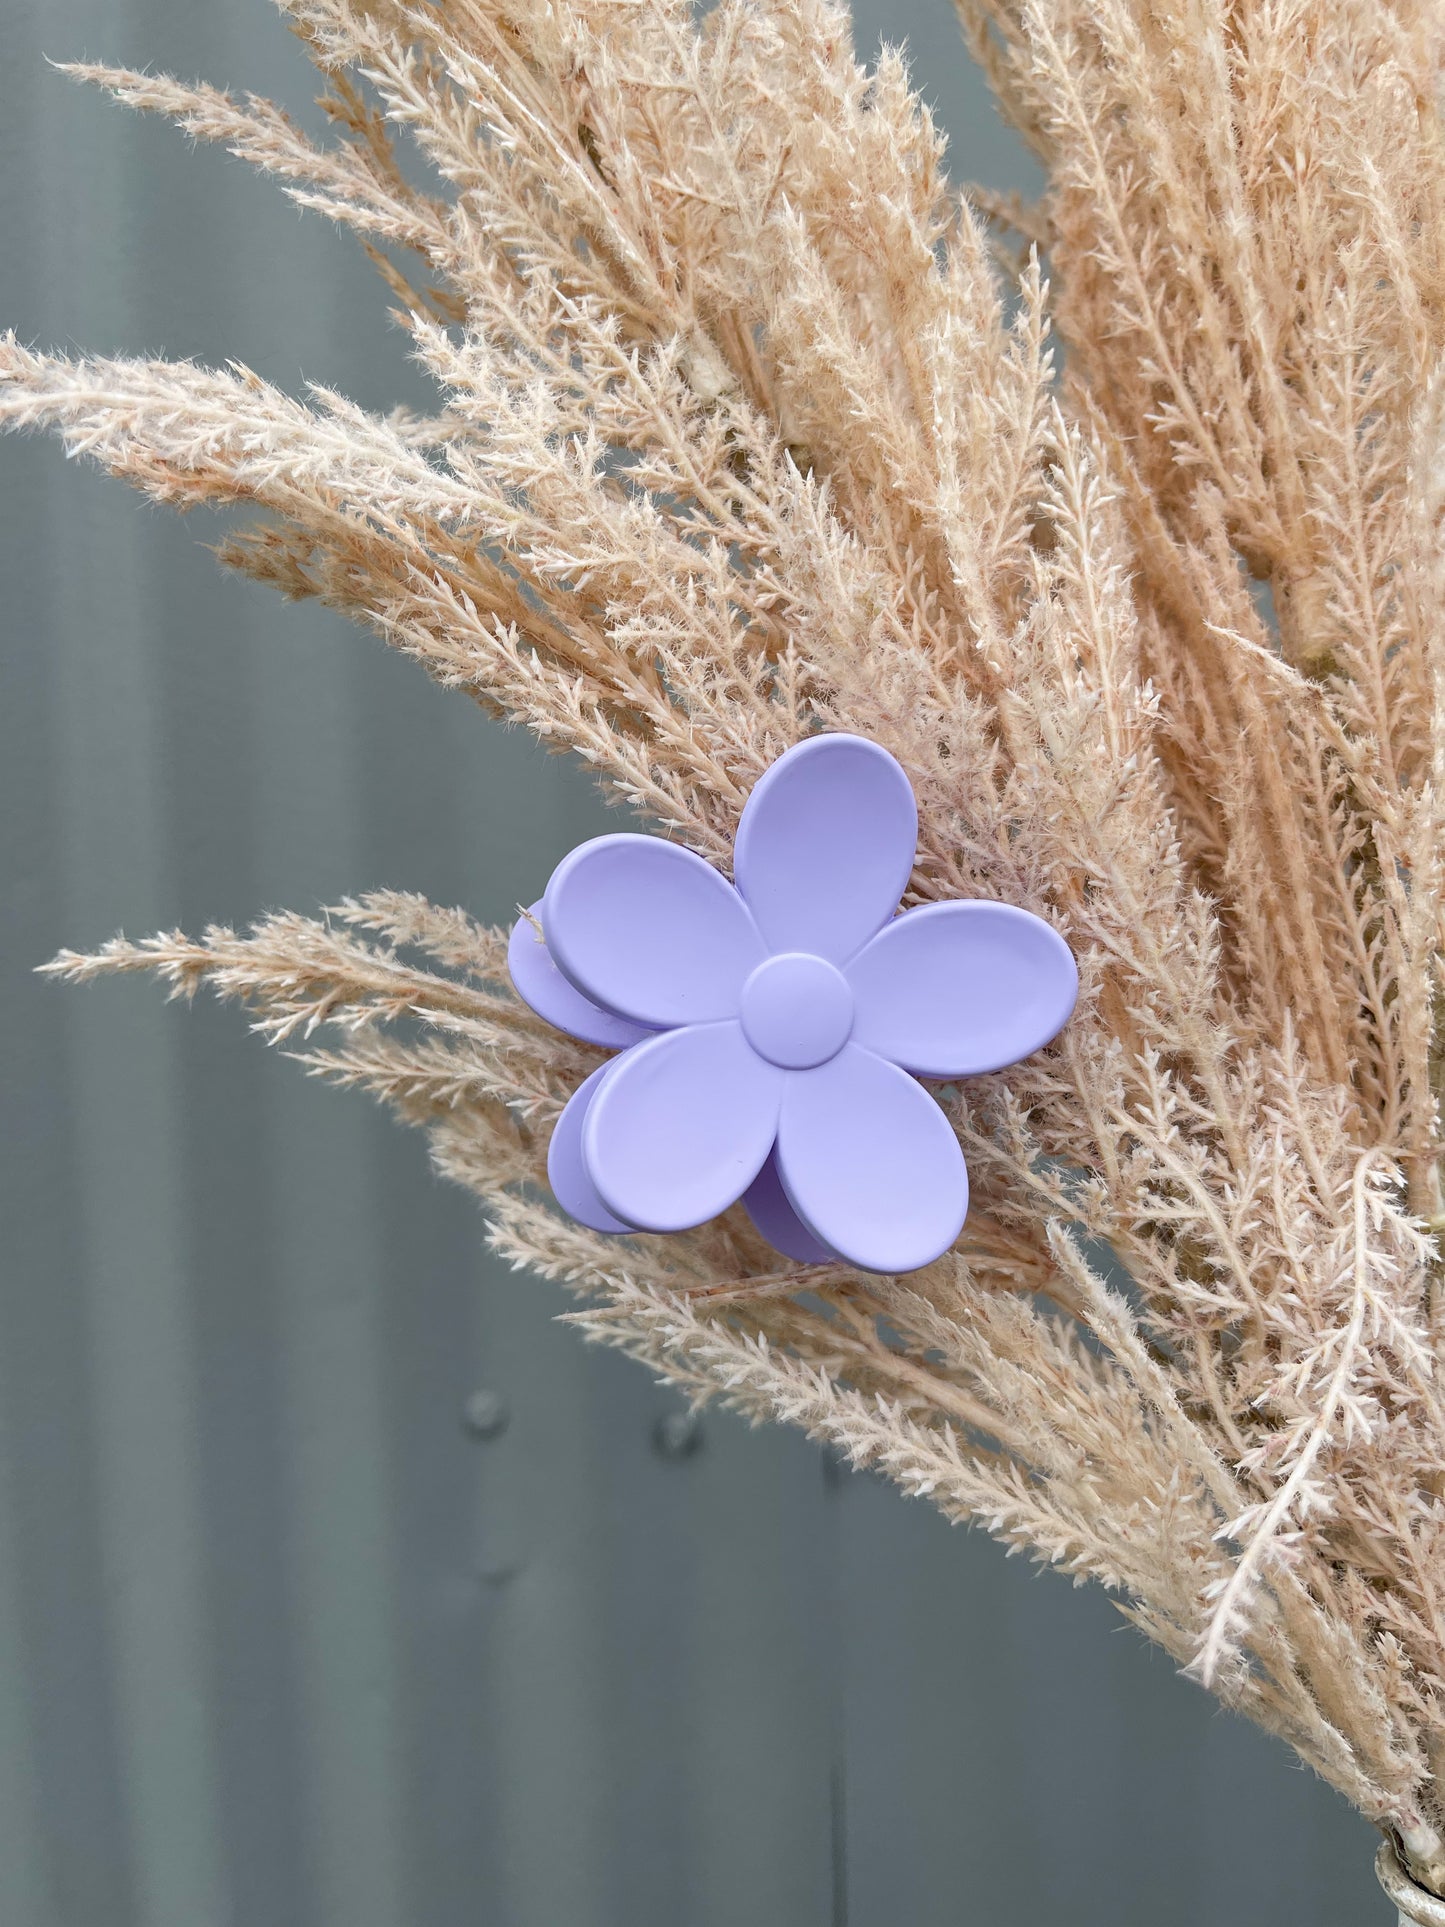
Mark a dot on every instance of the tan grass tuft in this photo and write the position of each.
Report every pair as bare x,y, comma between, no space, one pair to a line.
745,427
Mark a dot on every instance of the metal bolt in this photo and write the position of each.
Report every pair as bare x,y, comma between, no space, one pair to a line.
677,1435
485,1415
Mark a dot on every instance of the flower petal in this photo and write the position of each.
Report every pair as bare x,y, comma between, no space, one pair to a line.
567,1174
956,989
543,988
647,929
681,1126
870,1162
825,846
766,1203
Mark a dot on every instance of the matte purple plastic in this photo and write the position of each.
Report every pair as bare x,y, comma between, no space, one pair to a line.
797,1010
539,982
825,846
647,929
957,989
772,1033
680,1129
567,1174
766,1203
870,1163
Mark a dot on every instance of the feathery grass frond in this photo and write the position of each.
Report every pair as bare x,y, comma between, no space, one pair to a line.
747,427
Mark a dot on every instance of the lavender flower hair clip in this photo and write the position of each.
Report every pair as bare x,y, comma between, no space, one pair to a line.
771,1033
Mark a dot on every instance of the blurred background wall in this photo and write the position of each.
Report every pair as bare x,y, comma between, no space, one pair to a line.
339,1585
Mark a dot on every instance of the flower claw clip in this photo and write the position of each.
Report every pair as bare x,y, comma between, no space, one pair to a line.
771,1032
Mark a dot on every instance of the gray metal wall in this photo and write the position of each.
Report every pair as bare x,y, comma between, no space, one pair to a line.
282,1644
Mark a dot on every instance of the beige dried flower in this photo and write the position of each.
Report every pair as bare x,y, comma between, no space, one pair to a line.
748,426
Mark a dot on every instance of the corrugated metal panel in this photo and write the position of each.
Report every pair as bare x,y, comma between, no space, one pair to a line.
281,1643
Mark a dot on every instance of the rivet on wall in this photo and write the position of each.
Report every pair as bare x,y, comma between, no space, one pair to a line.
485,1415
677,1435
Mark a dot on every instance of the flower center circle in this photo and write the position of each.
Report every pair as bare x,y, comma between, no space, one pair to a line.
797,1010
